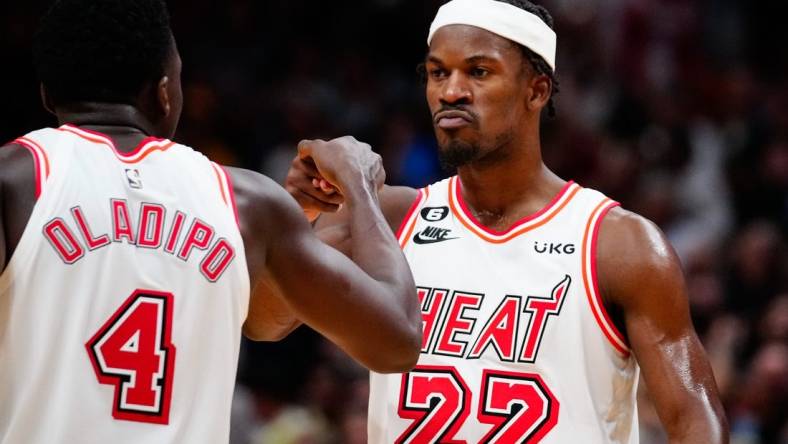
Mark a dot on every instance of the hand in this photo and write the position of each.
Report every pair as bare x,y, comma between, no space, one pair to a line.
342,164
313,193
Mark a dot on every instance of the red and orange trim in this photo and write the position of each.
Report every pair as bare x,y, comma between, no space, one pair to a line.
411,217
143,150
40,160
464,215
226,189
589,270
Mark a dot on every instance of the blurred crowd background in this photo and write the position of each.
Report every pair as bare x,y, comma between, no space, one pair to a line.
676,108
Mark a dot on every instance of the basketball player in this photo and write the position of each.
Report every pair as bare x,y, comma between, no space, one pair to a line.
129,263
541,299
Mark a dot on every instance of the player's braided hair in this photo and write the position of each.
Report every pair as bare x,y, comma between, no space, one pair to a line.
539,64
101,50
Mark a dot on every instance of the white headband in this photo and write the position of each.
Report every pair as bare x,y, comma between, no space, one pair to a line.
503,19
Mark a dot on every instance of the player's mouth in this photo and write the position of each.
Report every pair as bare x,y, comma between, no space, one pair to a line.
453,119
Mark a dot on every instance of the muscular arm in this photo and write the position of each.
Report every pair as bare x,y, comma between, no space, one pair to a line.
273,317
17,197
370,310
640,274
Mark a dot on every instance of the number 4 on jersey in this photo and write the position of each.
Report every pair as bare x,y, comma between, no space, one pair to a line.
132,352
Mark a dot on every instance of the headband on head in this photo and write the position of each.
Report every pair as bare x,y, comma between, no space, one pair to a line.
503,19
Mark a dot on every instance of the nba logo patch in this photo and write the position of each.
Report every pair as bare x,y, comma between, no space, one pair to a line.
134,179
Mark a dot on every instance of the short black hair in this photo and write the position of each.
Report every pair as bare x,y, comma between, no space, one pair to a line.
101,50
539,63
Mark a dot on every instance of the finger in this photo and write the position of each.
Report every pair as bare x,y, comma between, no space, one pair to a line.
303,168
316,193
297,182
326,187
308,203
306,166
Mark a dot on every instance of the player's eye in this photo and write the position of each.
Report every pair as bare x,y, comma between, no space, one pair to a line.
479,73
437,73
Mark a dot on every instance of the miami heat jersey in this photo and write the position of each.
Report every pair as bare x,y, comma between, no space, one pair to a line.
517,347
122,306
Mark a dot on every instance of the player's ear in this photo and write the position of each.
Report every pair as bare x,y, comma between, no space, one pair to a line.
163,96
46,99
541,87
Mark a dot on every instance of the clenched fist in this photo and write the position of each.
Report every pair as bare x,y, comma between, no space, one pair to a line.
324,172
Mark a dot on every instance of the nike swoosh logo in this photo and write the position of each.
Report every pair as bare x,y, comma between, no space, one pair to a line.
428,240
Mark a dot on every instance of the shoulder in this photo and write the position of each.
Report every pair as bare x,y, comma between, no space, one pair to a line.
632,253
258,197
268,217
17,169
17,194
633,238
266,211
13,158
396,203
250,186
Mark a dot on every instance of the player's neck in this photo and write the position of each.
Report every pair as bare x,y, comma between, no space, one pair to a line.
125,124
501,193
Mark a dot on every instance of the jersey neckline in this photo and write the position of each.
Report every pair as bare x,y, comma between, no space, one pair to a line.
138,153
527,223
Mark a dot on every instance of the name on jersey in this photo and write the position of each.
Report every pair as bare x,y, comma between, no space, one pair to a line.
447,314
182,236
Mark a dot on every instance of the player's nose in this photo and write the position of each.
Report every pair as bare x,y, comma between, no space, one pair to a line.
456,89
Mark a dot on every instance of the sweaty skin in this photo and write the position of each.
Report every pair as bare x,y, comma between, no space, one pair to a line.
640,276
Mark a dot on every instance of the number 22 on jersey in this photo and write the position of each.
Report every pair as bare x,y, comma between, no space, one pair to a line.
519,406
133,352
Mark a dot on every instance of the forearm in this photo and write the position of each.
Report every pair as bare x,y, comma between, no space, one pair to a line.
371,320
372,244
681,383
699,419
375,250
359,306
699,426
682,387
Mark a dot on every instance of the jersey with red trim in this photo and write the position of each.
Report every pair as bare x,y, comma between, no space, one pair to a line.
517,347
122,306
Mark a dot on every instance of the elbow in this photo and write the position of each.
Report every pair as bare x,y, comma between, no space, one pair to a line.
402,356
394,364
265,334
410,342
710,428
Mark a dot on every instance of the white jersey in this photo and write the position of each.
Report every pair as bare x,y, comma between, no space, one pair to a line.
122,306
517,346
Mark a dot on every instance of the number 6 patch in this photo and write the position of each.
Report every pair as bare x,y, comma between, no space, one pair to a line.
133,352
